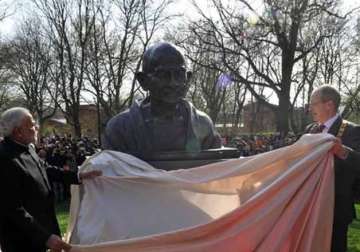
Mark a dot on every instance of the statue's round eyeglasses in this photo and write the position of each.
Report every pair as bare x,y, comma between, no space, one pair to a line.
169,73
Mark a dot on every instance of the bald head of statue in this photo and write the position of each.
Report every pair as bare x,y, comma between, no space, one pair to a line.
164,73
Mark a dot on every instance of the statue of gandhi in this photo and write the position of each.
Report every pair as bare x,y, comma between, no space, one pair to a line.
163,121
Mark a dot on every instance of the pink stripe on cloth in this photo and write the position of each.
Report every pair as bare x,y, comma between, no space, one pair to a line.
276,201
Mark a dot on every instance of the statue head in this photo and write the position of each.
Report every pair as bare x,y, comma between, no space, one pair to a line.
164,73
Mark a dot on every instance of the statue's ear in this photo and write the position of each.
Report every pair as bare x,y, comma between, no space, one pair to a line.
142,79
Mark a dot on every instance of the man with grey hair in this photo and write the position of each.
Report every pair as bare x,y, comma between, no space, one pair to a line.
27,214
324,104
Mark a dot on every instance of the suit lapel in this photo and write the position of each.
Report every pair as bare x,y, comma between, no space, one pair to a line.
335,126
17,149
42,170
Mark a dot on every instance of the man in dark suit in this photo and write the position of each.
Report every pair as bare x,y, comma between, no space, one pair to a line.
27,215
324,104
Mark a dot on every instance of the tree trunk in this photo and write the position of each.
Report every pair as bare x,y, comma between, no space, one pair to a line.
99,121
77,130
293,121
76,123
282,115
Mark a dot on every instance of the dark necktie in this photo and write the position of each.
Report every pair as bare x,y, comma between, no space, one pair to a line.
318,128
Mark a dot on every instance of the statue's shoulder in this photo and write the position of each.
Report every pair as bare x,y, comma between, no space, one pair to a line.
126,118
120,118
198,114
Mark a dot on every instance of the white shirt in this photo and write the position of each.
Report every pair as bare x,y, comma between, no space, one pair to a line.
329,123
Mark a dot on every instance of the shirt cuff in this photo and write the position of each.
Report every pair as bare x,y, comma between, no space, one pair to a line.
78,176
347,151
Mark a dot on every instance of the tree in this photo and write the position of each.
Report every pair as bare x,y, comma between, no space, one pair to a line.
30,63
116,53
154,19
68,27
4,9
351,86
206,91
272,46
211,88
5,76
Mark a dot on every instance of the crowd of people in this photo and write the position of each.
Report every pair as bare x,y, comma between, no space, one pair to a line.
254,144
67,153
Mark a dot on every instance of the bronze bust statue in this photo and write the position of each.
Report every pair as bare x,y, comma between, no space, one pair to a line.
163,121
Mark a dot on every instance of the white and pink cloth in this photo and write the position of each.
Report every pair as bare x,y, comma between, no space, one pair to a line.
279,201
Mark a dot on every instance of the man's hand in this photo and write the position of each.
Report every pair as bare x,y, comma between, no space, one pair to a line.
56,244
89,174
339,149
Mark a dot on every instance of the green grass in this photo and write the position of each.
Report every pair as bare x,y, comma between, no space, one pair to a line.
354,233
62,212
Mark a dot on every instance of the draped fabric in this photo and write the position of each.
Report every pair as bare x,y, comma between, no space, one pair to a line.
277,201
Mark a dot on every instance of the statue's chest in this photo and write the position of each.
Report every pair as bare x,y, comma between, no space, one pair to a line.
168,135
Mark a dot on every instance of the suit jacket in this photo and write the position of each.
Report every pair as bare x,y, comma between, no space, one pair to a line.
346,171
27,214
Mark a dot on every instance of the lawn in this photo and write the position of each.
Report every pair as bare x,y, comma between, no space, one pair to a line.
62,211
354,233
62,214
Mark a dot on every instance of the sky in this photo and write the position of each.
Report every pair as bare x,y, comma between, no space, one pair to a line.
18,8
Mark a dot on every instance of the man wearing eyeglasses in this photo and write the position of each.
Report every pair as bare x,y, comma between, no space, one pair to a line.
324,104
163,121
